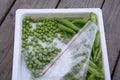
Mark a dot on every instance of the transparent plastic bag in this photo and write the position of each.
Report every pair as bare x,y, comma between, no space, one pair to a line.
72,62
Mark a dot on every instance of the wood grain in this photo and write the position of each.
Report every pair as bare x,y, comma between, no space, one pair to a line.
116,75
80,3
6,65
5,5
7,33
111,15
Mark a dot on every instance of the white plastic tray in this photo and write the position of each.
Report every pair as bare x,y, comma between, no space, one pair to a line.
19,70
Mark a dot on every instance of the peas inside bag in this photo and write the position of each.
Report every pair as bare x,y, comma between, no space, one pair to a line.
72,62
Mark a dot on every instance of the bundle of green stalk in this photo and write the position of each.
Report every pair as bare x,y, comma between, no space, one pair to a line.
37,56
95,68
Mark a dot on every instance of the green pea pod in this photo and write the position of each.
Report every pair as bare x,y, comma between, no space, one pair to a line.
80,21
91,77
100,71
92,64
95,54
73,18
92,18
79,25
68,24
98,55
64,28
97,40
92,70
100,64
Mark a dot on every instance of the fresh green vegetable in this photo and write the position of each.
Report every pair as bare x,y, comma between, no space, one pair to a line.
92,64
73,18
80,21
95,54
45,31
93,71
92,17
40,56
98,55
67,23
97,40
91,77
64,28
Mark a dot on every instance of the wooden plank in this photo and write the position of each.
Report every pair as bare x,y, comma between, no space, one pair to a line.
4,7
7,33
6,65
80,3
111,15
116,75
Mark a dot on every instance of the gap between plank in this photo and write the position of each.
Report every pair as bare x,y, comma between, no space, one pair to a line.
57,4
115,65
102,4
7,12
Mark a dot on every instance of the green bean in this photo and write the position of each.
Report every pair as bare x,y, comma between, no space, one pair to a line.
97,40
80,21
92,17
73,18
68,23
100,71
97,70
79,25
92,64
91,77
92,70
98,55
95,54
100,64
64,28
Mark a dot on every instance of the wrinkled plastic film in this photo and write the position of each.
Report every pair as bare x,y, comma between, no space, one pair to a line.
73,60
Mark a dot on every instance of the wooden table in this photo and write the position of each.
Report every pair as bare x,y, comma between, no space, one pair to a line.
111,15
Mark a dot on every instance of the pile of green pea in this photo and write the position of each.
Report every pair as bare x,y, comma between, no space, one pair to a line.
36,55
39,31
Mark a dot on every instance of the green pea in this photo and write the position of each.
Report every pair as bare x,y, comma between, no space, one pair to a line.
23,51
23,45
